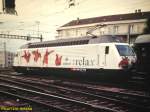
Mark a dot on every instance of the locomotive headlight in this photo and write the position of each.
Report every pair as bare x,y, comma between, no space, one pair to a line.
124,63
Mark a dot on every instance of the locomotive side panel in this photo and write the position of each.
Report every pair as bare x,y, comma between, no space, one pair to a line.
61,57
94,56
111,57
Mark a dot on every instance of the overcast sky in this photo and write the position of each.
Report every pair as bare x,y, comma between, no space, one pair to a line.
50,14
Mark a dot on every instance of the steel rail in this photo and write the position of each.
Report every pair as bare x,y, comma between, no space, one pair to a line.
49,97
81,92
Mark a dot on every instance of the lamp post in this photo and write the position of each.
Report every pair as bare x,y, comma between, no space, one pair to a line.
5,55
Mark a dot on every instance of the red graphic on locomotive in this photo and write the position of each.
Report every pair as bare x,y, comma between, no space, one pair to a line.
37,55
58,60
45,59
26,56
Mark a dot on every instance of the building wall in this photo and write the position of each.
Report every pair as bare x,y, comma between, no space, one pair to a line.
1,6
2,61
8,57
111,28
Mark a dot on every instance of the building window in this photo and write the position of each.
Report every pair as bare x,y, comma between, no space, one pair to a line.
67,33
77,32
102,31
109,30
115,29
132,28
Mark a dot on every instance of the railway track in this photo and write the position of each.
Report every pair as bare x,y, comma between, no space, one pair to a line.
137,81
59,103
100,98
12,103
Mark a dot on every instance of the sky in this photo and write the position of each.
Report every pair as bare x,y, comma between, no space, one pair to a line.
45,16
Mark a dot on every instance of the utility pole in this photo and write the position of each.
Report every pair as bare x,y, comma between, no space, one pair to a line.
128,35
5,55
38,28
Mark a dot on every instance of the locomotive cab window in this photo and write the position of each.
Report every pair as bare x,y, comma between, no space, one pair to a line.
107,50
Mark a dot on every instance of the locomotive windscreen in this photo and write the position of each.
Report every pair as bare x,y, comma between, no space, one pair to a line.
125,50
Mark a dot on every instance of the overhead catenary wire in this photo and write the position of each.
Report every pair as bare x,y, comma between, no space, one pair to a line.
80,10
82,2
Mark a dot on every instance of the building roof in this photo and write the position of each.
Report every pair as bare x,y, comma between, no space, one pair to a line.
75,41
119,17
58,41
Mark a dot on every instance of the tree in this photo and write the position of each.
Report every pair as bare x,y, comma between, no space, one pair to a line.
147,28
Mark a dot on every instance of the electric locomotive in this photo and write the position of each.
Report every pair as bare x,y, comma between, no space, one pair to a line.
101,55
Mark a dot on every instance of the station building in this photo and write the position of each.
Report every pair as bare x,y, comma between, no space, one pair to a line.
6,59
128,26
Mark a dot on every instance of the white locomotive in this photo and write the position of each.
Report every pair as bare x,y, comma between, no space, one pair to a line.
88,54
